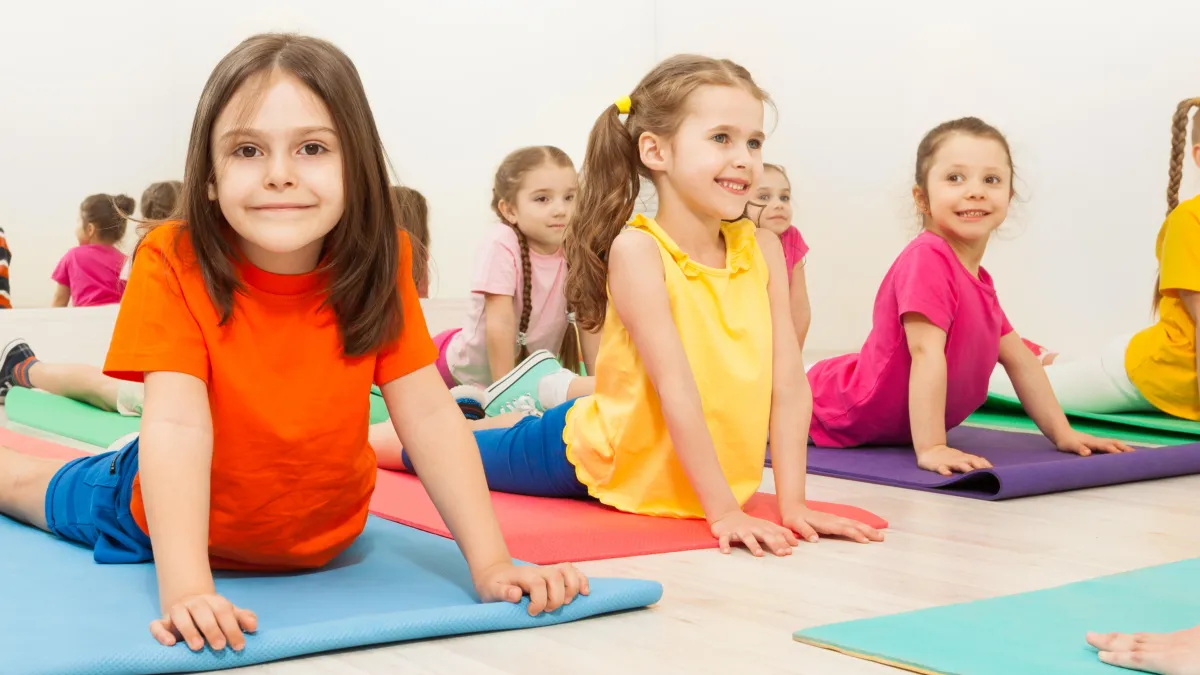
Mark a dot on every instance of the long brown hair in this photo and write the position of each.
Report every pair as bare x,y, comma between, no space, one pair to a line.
160,200
970,126
414,218
108,214
609,177
509,176
1179,125
360,252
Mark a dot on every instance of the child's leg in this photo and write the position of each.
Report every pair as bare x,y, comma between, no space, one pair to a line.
389,450
1096,383
529,458
23,483
21,368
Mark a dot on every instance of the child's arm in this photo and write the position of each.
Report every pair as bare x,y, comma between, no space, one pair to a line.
1191,301
62,296
801,308
444,454
639,297
791,411
927,399
1037,397
175,462
591,347
500,322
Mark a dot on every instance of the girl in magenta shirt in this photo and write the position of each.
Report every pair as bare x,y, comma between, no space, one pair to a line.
90,274
771,208
938,329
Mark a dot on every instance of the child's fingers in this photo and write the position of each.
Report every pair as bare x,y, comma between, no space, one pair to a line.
181,621
228,623
805,529
723,543
1148,661
572,582
536,587
749,541
246,619
206,621
556,588
980,462
161,632
774,540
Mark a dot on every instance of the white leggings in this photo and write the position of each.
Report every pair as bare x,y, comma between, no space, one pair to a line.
1093,383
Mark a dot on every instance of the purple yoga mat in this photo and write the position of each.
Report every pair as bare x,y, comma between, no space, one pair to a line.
1024,465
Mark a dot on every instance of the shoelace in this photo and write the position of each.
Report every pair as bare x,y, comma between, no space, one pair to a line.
523,404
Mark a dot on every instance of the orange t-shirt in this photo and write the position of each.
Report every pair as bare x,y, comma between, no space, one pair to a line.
292,472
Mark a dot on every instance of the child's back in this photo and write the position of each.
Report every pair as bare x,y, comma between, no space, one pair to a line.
92,273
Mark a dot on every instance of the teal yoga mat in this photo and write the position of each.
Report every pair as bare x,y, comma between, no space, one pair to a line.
82,422
1154,421
66,615
1042,632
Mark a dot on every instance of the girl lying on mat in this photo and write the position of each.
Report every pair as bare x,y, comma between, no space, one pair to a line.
258,324
938,329
1155,369
690,375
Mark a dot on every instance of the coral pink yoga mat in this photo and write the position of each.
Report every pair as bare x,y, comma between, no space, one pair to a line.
539,530
545,531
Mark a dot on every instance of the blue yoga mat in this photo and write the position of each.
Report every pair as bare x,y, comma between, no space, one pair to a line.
1030,633
65,614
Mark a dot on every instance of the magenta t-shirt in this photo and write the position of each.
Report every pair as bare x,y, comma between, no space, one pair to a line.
93,273
794,249
862,399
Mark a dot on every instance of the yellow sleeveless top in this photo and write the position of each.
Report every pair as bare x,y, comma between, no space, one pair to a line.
617,438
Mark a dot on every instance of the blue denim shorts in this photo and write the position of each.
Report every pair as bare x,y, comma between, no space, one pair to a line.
88,502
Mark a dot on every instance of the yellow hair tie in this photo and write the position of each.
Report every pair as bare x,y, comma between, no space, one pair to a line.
624,105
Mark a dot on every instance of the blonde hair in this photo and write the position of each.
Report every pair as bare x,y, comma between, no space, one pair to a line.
612,167
1179,125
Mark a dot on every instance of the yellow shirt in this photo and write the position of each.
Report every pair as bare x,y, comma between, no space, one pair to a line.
1161,360
617,438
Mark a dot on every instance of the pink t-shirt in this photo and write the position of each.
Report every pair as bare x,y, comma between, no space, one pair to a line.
498,272
794,249
862,399
92,272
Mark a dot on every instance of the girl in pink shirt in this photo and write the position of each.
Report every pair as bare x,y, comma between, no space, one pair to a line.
90,274
518,312
938,330
771,208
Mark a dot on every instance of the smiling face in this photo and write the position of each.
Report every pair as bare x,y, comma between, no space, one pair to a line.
278,170
771,205
543,205
715,154
967,189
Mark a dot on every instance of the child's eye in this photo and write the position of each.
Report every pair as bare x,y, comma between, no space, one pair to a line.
570,198
955,178
994,180
763,196
312,149
721,138
785,198
541,198
755,144
246,151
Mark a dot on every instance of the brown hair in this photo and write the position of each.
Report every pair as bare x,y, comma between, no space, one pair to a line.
1179,125
160,199
509,175
932,142
108,215
360,253
414,219
609,178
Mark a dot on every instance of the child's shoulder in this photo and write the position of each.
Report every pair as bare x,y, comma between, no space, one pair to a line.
1187,212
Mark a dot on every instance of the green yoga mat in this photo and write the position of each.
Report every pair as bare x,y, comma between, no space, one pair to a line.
1018,421
1042,632
67,417
1155,421
82,422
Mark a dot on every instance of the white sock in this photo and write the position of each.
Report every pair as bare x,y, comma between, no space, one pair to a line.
552,389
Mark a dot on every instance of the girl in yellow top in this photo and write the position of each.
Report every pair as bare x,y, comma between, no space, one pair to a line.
690,373
1154,369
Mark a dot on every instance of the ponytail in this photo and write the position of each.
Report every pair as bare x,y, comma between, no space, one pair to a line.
1179,124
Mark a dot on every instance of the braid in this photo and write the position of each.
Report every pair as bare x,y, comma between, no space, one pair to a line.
1179,125
527,304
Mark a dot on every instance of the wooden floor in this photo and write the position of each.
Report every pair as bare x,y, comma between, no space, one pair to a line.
736,614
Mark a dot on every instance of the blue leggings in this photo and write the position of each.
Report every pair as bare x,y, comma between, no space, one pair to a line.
529,458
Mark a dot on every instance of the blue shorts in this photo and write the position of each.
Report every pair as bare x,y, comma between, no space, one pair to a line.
87,502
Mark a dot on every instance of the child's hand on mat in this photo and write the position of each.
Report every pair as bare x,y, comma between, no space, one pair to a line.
1084,445
548,587
738,526
205,618
809,523
1175,653
946,460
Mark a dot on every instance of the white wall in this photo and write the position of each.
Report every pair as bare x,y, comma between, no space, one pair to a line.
1084,94
100,99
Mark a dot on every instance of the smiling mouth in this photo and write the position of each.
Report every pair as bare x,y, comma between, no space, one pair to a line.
282,207
737,187
972,214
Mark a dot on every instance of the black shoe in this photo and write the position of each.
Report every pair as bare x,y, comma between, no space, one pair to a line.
15,353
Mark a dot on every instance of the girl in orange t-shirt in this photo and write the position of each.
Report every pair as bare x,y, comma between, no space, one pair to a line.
258,323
